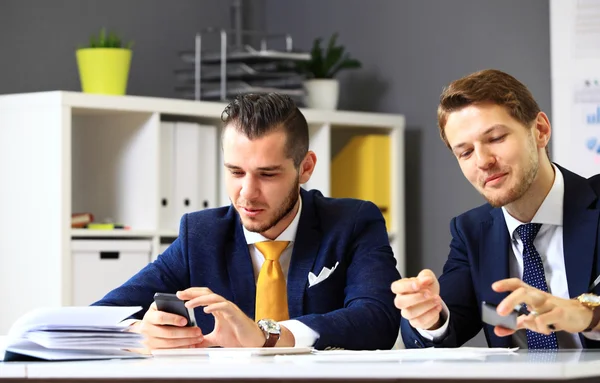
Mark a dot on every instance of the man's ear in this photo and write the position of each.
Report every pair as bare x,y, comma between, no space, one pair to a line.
543,130
307,166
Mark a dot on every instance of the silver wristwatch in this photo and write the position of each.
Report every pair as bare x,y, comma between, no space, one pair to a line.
272,331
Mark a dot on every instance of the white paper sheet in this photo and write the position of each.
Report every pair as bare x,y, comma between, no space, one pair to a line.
87,332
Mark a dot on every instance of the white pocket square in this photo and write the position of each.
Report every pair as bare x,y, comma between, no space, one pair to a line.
323,275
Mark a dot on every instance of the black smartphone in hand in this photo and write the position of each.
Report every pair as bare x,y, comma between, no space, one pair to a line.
490,316
171,304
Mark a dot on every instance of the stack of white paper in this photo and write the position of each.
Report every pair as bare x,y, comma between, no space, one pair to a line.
73,333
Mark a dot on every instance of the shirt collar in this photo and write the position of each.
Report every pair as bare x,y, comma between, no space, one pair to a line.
289,234
551,210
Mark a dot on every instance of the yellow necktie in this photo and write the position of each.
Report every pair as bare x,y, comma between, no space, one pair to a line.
271,295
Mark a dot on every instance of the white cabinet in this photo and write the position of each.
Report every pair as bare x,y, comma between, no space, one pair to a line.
101,265
118,158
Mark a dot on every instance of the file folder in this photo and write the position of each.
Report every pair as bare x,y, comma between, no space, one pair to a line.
362,170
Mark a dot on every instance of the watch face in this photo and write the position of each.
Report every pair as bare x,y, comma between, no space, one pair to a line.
590,299
270,326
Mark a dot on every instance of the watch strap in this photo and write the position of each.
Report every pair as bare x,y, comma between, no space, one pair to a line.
271,340
595,319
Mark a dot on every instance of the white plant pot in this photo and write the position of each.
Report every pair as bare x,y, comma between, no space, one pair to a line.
322,93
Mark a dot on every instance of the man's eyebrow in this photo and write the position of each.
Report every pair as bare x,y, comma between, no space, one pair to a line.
272,168
488,131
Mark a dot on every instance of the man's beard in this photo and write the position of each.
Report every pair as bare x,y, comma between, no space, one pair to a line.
286,207
520,188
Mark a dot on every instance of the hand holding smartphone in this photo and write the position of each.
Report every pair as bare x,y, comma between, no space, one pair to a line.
490,316
171,304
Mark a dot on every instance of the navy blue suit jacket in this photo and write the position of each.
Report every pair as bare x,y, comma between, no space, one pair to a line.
479,256
353,308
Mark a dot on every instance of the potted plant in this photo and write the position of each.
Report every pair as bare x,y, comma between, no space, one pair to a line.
321,87
104,64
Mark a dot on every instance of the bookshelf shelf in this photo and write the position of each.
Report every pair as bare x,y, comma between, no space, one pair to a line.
66,152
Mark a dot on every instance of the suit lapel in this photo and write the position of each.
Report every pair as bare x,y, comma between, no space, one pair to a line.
494,253
580,228
306,247
241,273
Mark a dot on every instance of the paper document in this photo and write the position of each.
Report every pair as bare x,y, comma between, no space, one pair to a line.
420,354
73,333
233,352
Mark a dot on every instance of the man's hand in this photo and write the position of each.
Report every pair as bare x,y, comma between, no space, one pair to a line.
419,300
166,330
232,327
546,309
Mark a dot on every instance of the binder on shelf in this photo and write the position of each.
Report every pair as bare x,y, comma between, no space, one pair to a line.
167,218
195,167
188,170
362,170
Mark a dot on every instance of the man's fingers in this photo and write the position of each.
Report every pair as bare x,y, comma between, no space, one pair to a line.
513,299
420,309
427,319
171,332
193,292
552,317
405,285
406,301
164,318
510,284
204,300
503,331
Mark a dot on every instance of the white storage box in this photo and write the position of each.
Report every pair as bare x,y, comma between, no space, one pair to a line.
101,265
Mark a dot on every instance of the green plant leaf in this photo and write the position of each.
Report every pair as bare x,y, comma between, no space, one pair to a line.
346,63
102,38
326,64
316,63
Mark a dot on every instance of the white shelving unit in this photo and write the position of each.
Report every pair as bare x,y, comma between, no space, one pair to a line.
65,152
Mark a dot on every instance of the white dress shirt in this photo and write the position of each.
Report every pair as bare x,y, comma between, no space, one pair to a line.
304,335
549,244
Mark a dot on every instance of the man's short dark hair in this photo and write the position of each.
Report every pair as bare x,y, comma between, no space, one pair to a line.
256,115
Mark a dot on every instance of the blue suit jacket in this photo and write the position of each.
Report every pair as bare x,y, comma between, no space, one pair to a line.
479,256
353,308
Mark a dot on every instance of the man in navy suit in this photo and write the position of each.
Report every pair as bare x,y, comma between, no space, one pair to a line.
540,224
216,264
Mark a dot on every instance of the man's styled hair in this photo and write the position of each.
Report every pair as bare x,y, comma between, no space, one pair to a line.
487,86
256,115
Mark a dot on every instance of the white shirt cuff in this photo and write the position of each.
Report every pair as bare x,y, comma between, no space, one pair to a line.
304,335
440,332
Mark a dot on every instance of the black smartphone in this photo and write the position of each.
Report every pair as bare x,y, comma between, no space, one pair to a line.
171,304
490,316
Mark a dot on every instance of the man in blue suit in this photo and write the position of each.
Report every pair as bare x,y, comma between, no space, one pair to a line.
331,274
540,224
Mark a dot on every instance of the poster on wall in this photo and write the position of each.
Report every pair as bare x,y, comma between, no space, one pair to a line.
585,128
575,63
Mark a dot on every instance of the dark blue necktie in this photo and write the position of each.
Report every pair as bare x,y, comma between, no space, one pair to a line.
533,275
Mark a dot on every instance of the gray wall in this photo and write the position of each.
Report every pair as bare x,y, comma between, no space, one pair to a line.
410,49
39,38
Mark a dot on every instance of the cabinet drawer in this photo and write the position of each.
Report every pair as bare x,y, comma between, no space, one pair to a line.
101,265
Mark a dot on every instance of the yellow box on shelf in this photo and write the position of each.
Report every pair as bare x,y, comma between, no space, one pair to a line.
362,170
